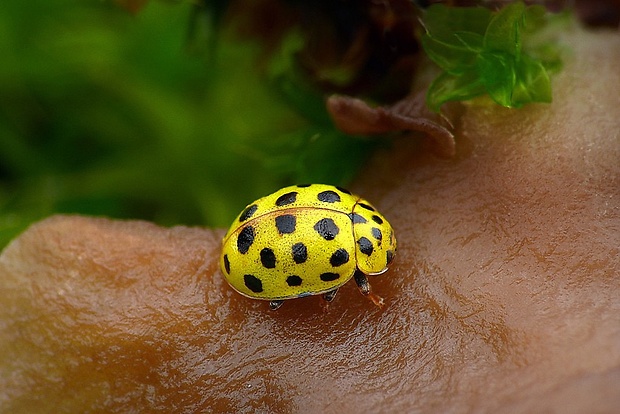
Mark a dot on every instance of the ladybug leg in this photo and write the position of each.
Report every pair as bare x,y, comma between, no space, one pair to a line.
329,296
275,304
364,287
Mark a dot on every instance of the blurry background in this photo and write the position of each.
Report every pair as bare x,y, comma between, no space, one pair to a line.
164,114
182,112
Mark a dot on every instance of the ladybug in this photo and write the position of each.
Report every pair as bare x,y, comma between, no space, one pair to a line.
306,240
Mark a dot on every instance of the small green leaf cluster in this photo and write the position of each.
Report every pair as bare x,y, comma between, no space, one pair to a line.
482,52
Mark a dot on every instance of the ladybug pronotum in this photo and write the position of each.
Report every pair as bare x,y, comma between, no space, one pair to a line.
306,240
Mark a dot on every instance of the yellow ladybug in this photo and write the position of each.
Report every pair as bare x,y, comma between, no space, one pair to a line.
306,240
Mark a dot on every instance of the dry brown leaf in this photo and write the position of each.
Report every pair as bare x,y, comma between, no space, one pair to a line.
354,116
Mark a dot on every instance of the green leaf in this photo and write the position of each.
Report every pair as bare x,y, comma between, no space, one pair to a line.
506,54
447,87
454,36
497,71
451,58
442,22
535,18
533,83
471,41
504,31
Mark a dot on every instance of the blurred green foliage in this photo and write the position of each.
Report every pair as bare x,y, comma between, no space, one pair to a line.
110,114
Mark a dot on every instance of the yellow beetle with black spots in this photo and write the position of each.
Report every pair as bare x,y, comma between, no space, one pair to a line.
306,240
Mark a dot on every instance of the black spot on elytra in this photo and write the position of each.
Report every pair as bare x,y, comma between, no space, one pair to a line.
327,228
287,198
365,246
248,212
268,258
329,276
328,196
343,190
357,218
253,283
366,206
303,185
339,257
226,264
245,239
300,253
286,223
293,280
377,219
376,233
